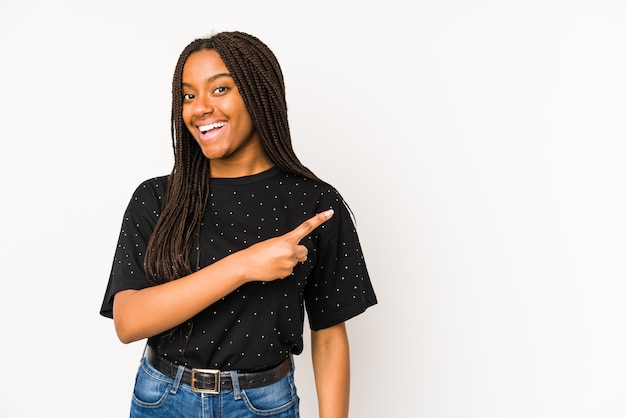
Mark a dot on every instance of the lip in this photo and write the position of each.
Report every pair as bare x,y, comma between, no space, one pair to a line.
212,133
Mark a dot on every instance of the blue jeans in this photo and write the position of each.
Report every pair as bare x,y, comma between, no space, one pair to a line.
158,395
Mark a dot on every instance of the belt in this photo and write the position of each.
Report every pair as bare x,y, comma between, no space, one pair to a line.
213,381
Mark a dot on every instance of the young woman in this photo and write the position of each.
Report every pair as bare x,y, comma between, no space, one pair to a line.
217,262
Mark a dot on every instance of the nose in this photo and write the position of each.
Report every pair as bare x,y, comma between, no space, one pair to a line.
202,105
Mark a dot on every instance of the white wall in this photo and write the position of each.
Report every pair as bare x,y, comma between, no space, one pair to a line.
481,145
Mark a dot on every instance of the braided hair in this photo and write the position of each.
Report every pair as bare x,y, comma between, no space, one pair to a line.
259,79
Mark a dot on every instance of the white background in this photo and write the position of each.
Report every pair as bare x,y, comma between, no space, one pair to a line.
481,145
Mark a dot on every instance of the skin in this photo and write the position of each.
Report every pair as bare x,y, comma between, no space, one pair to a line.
210,96
331,366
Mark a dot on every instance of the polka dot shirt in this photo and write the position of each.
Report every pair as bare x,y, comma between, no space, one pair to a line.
261,323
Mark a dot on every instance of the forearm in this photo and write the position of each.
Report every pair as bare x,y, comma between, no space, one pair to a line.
331,365
143,313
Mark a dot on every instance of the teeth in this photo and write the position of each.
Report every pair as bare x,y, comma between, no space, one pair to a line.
206,128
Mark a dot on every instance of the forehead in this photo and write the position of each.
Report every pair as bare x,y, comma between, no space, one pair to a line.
203,64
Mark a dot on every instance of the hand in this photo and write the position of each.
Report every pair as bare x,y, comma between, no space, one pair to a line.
276,258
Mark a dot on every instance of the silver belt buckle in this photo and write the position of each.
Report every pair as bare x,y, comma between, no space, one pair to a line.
215,390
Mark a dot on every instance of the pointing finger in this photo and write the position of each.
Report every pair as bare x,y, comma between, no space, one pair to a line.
306,227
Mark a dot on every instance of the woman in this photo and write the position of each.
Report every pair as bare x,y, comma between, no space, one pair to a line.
217,262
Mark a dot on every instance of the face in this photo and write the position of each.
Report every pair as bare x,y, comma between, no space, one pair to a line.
218,119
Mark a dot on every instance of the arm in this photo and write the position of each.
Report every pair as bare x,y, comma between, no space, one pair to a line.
331,365
139,314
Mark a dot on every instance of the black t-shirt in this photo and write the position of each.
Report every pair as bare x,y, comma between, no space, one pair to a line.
261,323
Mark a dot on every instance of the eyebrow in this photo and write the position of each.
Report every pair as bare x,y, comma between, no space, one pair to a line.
212,78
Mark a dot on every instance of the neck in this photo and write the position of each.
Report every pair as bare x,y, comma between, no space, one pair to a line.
232,169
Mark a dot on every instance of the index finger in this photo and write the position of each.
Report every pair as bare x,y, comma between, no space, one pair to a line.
306,227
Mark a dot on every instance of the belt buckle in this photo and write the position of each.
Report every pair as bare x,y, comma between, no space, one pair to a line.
215,390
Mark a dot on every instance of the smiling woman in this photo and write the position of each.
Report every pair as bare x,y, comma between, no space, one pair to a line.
217,262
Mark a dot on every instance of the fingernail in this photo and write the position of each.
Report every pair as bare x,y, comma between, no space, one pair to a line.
328,213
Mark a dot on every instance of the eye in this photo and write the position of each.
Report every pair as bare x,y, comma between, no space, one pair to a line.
188,97
220,90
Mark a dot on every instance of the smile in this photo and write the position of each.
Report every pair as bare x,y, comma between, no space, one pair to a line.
210,127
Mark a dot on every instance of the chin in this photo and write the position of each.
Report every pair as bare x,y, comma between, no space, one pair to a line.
210,151
213,154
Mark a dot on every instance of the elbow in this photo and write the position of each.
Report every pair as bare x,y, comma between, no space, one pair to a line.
125,339
123,333
123,318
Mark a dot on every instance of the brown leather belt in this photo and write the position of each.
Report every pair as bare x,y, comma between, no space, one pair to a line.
213,381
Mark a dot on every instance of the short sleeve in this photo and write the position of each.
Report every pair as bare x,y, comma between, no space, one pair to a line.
339,286
140,217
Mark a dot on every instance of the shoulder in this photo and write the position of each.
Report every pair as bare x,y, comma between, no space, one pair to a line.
317,186
323,196
152,186
149,193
